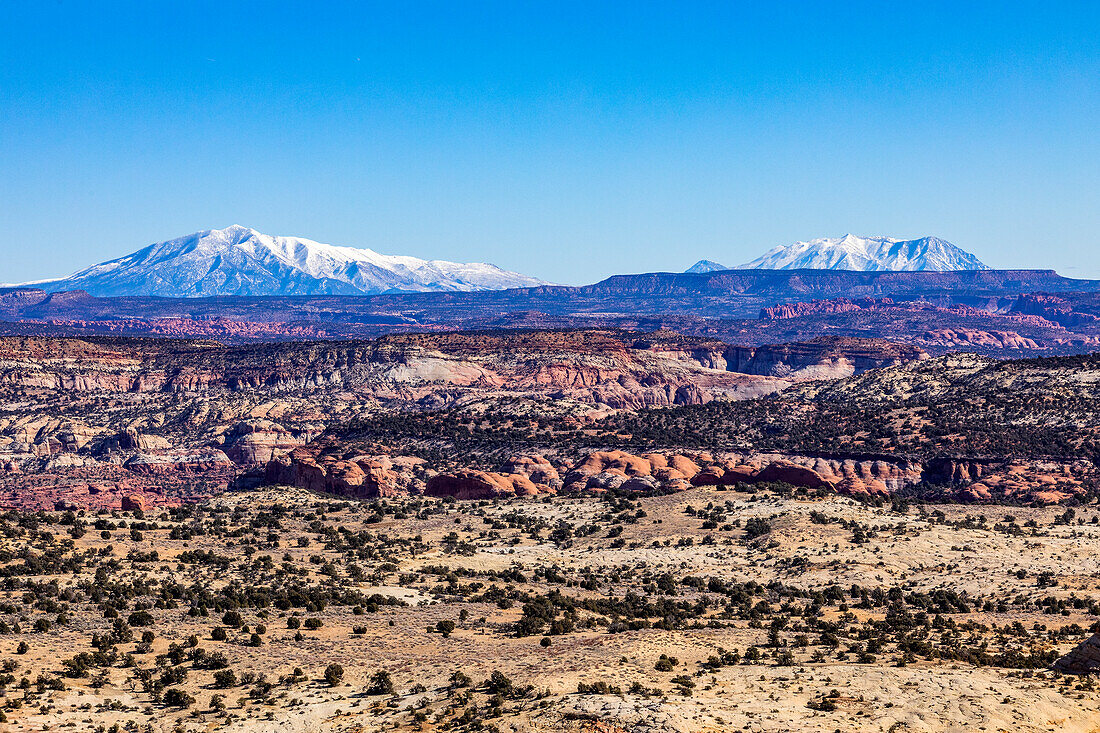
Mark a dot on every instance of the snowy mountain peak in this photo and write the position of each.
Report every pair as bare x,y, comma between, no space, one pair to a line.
704,266
238,260
852,252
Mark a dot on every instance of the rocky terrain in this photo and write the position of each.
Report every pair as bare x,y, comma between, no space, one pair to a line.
1008,327
89,422
92,421
825,357
956,405
598,530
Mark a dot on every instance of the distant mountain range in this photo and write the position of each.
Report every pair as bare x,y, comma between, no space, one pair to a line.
996,311
238,261
704,266
866,254
243,262
725,294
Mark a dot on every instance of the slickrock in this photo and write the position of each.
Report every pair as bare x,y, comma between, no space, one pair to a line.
640,483
43,434
535,467
726,473
845,475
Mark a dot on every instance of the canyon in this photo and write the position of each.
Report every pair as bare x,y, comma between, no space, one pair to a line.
93,421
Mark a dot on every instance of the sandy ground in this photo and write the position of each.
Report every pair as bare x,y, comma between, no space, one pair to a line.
810,545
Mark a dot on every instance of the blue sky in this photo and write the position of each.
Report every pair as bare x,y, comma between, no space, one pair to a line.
567,140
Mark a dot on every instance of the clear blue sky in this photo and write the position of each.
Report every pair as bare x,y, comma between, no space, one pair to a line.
566,140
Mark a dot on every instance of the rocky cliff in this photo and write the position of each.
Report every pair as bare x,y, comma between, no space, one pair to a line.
593,366
826,357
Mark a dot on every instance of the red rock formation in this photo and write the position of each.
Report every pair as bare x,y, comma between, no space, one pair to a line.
534,467
480,485
948,337
364,477
105,487
135,502
818,307
724,475
1053,308
312,468
1028,309
795,475
602,468
215,328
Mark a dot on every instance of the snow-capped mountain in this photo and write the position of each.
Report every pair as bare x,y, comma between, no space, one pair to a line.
241,261
704,266
867,253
